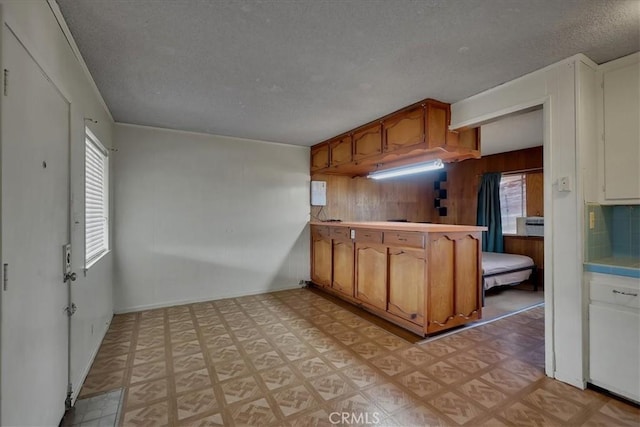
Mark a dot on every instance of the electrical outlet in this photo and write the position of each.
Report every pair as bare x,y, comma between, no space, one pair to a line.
592,220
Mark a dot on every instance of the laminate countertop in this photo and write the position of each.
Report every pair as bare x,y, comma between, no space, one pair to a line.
402,226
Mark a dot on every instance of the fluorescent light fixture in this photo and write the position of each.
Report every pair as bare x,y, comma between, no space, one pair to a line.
407,170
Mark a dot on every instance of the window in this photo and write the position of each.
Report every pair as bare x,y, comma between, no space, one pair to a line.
513,201
96,190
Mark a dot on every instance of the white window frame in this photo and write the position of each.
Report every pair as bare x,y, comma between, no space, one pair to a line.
504,212
93,175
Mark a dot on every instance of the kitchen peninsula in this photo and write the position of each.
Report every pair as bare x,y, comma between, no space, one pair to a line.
424,277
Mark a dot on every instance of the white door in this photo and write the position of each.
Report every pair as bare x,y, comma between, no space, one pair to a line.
35,225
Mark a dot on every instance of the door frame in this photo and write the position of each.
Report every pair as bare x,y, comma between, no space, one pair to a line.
6,20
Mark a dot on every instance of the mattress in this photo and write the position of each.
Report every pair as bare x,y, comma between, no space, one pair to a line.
497,263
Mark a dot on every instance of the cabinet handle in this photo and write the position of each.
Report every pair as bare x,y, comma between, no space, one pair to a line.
401,239
615,291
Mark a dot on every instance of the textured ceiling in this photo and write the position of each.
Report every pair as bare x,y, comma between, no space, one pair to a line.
302,71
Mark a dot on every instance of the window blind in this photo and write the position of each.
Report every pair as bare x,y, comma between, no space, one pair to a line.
96,200
513,198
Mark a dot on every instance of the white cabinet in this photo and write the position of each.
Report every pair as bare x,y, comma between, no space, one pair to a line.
614,334
620,133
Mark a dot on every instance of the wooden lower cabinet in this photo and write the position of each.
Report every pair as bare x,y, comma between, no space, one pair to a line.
321,256
454,295
343,265
407,269
371,274
425,282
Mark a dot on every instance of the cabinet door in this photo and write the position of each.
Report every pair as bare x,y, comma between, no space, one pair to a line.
622,133
320,157
341,151
535,194
404,129
371,276
367,141
436,125
454,285
343,262
614,349
406,284
320,259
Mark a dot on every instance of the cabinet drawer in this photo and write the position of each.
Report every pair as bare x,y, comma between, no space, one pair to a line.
617,291
342,233
368,236
414,240
320,231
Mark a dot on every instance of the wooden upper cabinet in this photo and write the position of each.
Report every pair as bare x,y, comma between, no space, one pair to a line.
404,129
535,194
319,157
367,141
467,139
437,122
341,150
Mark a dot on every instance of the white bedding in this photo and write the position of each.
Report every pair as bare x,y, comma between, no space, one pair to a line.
495,263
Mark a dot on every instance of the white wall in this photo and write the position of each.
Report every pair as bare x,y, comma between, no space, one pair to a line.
36,26
203,217
562,89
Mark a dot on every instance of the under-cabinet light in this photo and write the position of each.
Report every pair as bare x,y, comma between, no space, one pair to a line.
407,170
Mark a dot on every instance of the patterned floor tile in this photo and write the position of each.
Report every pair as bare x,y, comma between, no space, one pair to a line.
505,380
467,363
367,349
456,407
186,348
482,393
255,346
339,358
420,384
148,371
240,389
389,397
415,355
110,364
196,402
420,415
294,399
254,413
312,357
445,372
312,367
148,355
101,382
189,362
279,377
231,369
390,365
331,386
192,380
146,392
551,404
519,414
362,375
267,360
154,415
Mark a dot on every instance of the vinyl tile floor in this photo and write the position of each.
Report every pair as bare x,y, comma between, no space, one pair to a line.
294,358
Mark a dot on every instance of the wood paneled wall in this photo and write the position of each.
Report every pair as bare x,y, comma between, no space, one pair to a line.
362,199
463,180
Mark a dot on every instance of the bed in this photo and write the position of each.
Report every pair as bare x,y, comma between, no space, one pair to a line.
499,269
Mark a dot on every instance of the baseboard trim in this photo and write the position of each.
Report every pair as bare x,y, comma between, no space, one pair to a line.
203,299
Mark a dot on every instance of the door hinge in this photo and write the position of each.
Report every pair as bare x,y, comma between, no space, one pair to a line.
68,401
5,82
71,310
5,279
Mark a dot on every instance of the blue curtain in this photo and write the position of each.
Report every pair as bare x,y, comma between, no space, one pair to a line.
489,212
